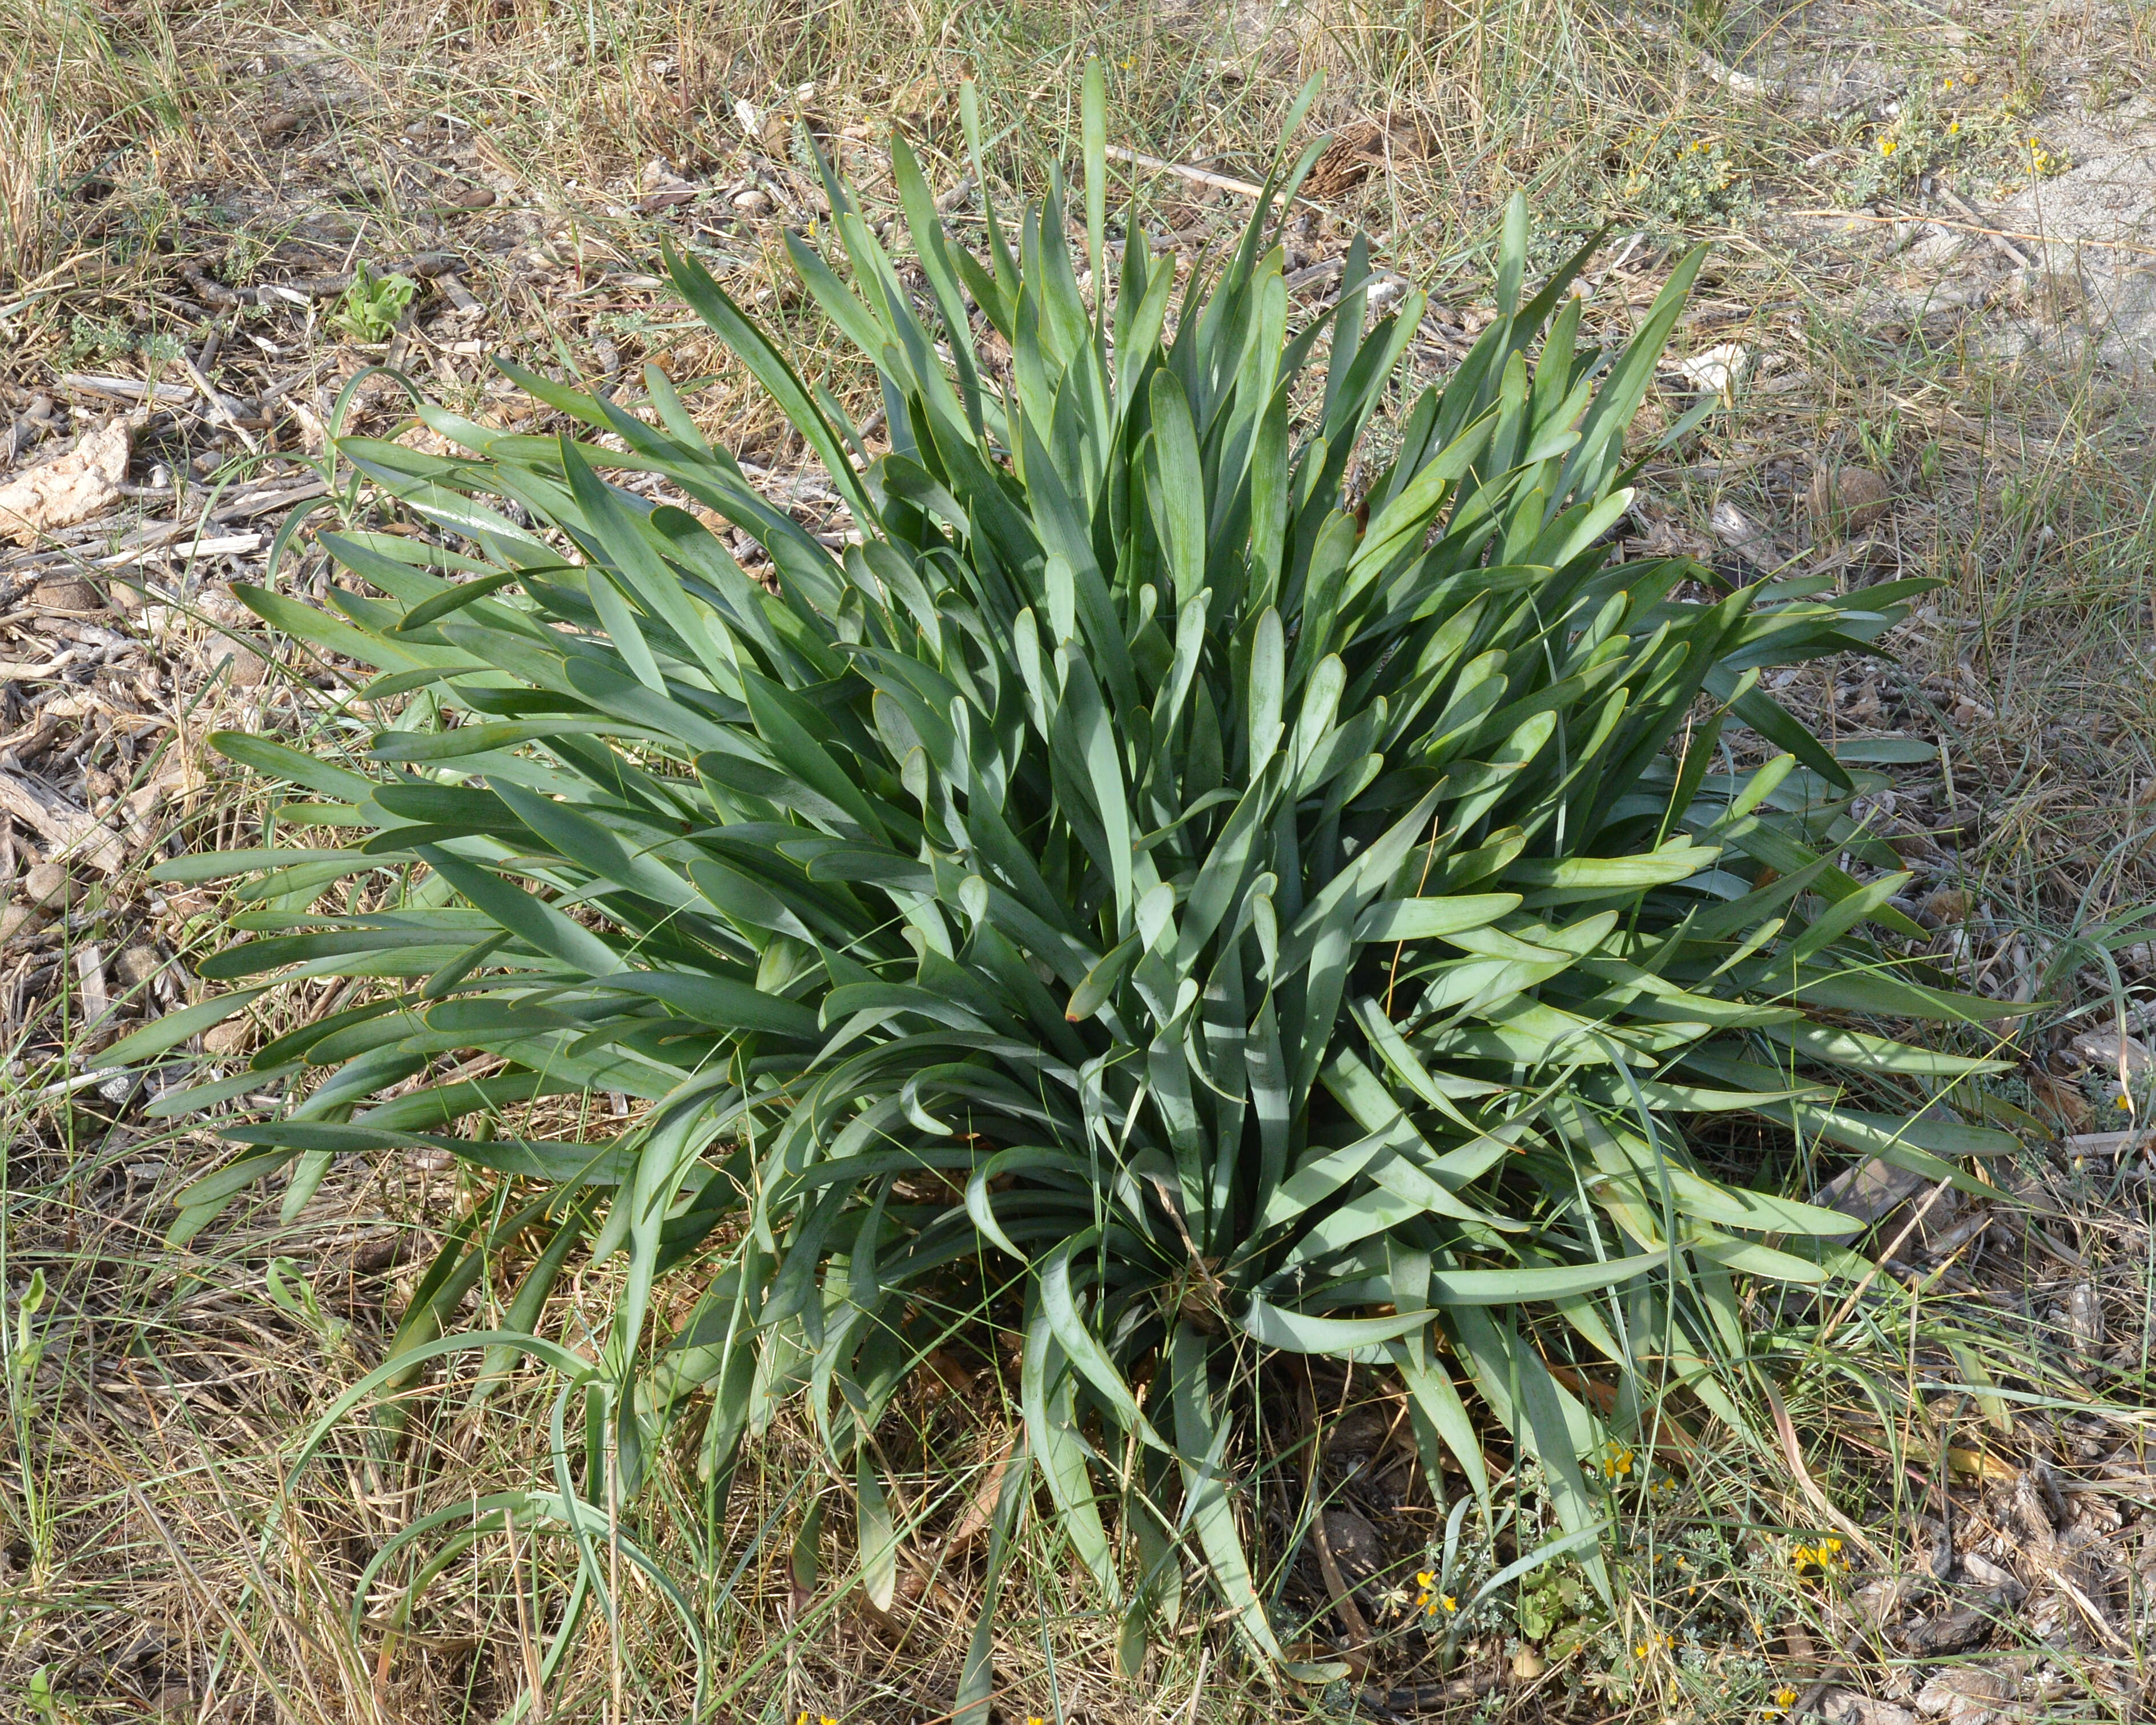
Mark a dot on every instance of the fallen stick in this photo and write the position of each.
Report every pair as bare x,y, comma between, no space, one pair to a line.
124,388
217,408
1981,232
230,544
2012,255
1183,170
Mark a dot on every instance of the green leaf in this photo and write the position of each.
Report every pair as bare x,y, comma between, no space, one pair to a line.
161,1035
1200,1442
879,1537
1419,919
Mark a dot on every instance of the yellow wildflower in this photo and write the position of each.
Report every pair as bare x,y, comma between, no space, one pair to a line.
1953,128
1825,1559
1784,1698
1887,145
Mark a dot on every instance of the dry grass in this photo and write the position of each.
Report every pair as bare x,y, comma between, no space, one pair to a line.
156,1560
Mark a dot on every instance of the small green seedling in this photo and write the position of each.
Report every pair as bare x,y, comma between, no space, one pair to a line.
292,1294
371,306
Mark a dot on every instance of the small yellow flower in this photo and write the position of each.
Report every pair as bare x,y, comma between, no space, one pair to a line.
1784,1698
1953,128
1886,146
1950,83
1825,1558
1446,1602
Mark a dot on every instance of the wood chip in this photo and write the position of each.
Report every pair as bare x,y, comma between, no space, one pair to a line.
125,388
89,978
72,831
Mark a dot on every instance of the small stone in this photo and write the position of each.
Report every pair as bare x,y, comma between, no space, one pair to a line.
1849,499
1966,1695
14,920
472,198
1949,903
1848,1707
1717,370
1527,1665
1356,1546
70,592
752,203
135,966
1955,1628
248,668
222,1041
47,885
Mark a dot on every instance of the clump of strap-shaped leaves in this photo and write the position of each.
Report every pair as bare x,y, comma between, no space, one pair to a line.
1155,890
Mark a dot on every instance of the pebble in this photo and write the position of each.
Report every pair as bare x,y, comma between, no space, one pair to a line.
135,966
1850,1707
1849,499
248,669
47,885
68,594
